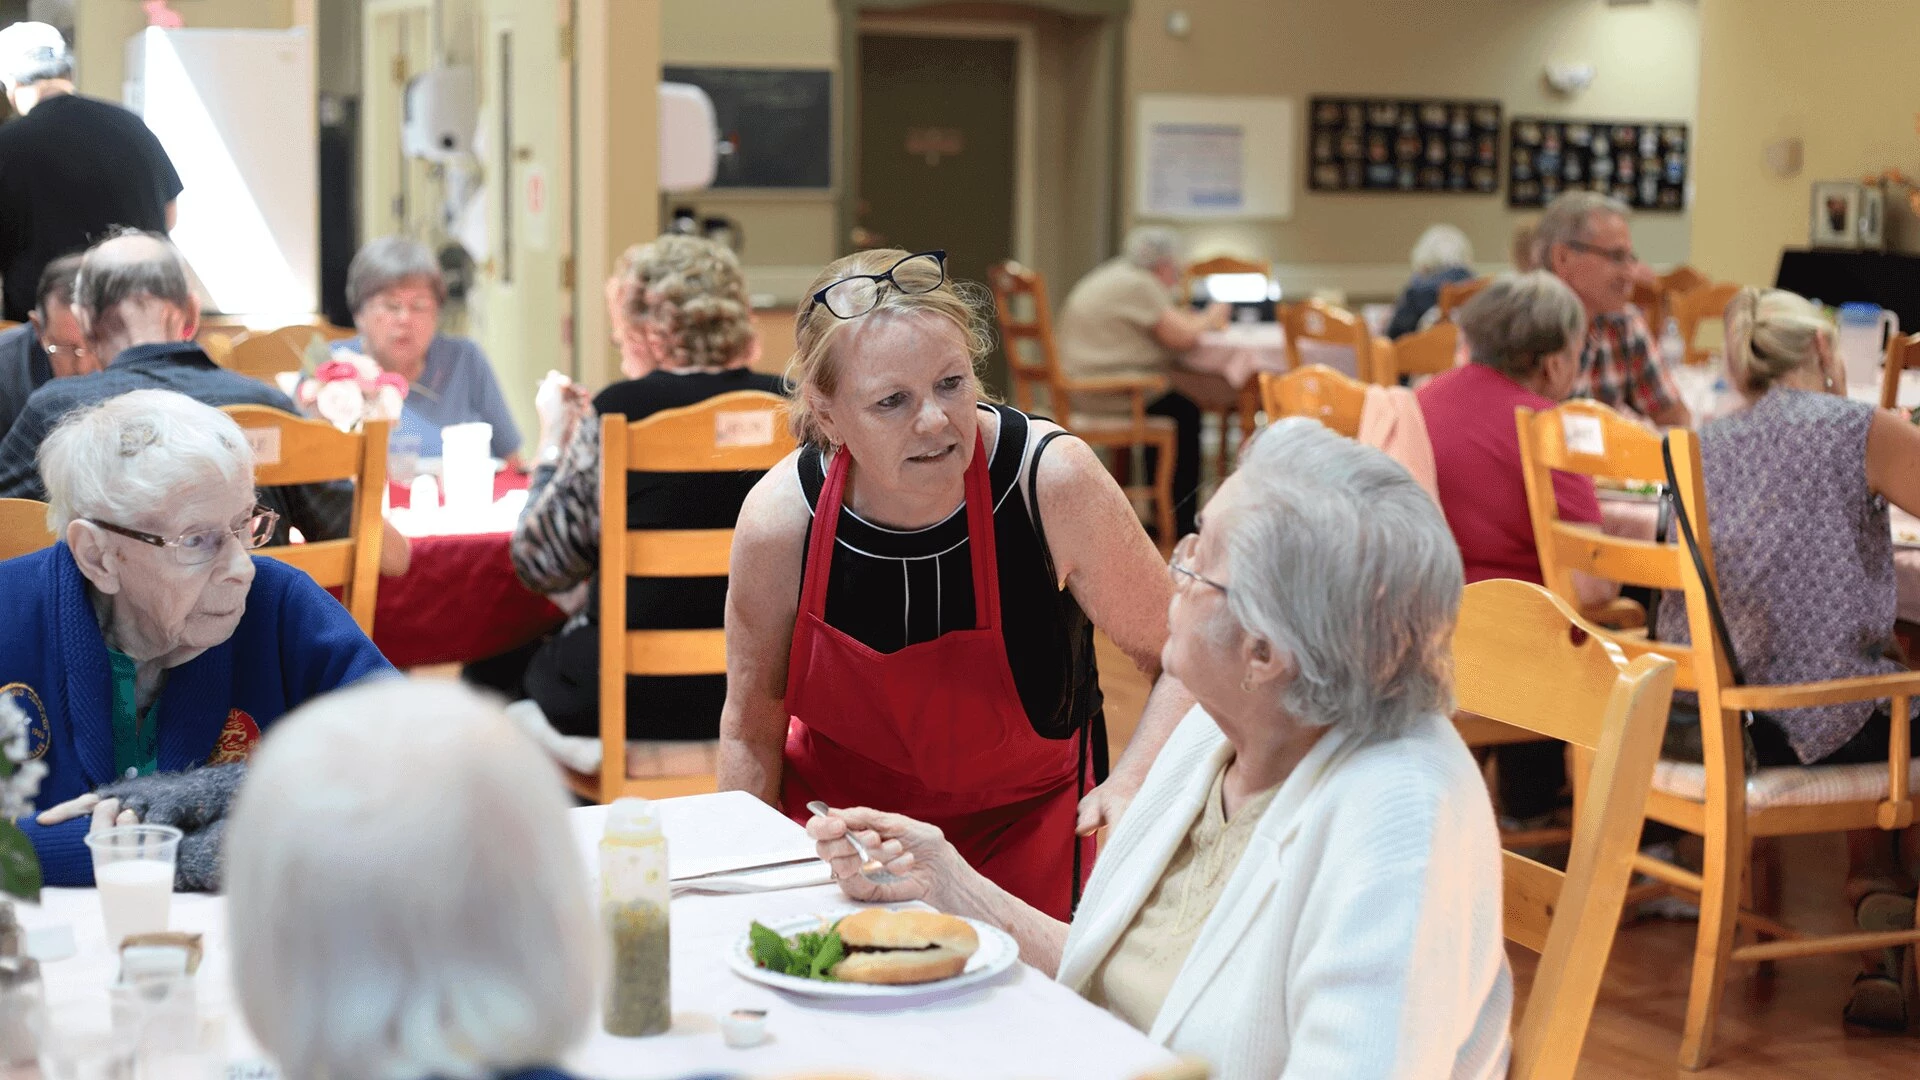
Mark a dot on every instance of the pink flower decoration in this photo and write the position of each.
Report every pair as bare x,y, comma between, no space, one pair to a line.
389,379
334,370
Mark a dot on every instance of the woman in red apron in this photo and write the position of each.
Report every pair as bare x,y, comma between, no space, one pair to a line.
923,658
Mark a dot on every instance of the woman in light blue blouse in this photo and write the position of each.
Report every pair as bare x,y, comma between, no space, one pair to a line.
395,289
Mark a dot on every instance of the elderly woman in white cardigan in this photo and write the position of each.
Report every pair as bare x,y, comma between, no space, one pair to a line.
1308,882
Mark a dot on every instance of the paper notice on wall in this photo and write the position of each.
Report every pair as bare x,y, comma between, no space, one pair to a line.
1195,169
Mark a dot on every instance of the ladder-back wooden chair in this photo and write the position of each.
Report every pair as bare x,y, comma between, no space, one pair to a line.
23,528
1682,279
261,356
1026,326
1690,309
1717,800
742,431
1317,320
290,450
1576,689
1241,417
1454,295
1317,391
1425,352
1903,352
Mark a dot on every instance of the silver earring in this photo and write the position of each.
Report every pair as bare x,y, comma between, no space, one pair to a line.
1246,685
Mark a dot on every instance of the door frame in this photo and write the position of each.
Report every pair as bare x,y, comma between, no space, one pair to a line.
1026,118
378,92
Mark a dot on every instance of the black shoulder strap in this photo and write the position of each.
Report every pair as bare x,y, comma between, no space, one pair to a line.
1684,517
1033,499
811,465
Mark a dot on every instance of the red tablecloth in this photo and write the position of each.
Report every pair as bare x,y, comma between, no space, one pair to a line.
459,600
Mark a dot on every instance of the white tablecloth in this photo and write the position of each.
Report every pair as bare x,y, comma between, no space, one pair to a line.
1022,1025
1239,352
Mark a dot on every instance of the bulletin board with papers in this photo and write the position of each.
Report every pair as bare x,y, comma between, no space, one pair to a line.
1199,156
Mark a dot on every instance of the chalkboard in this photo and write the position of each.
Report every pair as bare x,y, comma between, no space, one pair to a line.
779,124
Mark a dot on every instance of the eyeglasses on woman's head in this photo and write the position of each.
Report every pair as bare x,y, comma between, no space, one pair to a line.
857,294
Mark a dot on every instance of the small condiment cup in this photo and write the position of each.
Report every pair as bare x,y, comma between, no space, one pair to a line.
743,1028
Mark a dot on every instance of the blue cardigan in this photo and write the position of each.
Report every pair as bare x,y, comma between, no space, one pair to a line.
294,642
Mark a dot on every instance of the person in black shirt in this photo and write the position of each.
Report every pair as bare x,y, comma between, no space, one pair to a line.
48,346
687,334
70,168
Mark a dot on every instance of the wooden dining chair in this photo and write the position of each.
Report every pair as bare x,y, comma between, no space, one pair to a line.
1424,352
1681,279
1690,309
290,450
1026,327
261,356
1317,391
1454,295
1317,320
742,431
1240,417
23,528
1903,352
1574,688
1718,800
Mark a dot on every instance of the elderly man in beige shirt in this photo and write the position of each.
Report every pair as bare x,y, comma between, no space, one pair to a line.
1123,319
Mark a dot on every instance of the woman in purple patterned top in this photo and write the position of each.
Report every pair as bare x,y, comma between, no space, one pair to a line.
1798,483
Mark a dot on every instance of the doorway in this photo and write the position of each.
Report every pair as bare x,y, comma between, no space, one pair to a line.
945,158
398,195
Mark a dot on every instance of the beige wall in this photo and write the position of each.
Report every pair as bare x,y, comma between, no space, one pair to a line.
1646,57
1838,74
102,27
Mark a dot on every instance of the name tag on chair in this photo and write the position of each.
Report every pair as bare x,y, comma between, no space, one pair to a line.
733,429
1584,435
265,442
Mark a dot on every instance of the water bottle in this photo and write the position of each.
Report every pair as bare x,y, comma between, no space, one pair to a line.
634,896
1673,348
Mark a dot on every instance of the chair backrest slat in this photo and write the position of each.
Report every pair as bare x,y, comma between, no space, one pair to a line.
1577,687
1454,295
1317,391
1425,352
1690,309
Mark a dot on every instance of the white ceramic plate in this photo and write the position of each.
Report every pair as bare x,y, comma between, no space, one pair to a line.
998,952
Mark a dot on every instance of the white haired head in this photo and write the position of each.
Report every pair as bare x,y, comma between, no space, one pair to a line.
1153,247
122,458
406,900
31,52
1341,560
1440,247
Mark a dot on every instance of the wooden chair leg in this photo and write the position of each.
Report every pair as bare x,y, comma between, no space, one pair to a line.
1722,871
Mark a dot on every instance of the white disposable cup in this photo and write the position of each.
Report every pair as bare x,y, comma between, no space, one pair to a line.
133,873
466,466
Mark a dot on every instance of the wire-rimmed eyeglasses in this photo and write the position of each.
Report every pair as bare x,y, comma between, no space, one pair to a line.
852,297
1181,564
199,548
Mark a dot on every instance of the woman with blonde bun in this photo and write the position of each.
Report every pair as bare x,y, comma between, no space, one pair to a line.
1798,481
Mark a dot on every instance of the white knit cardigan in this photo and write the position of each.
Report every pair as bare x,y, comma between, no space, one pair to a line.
1360,934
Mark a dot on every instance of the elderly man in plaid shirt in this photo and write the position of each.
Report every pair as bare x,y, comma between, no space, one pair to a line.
1584,240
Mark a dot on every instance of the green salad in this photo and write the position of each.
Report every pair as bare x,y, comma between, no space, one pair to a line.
807,955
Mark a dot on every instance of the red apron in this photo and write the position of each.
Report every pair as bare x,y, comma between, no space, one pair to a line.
935,731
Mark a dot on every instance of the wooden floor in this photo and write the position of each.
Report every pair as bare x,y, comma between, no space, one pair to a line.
1783,1027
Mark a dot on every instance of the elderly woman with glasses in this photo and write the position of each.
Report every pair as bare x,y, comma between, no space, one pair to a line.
396,290
148,644
914,592
1308,884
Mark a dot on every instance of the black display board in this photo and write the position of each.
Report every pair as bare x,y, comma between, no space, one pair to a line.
1420,145
778,123
1643,163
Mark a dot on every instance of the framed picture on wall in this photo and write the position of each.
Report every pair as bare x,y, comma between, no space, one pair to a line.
1834,215
1403,145
1643,163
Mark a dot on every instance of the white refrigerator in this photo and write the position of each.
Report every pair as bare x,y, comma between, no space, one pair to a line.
235,111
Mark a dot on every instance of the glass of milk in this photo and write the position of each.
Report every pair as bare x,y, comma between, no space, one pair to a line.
133,871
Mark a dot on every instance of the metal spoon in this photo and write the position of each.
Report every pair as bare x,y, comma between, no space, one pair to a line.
879,876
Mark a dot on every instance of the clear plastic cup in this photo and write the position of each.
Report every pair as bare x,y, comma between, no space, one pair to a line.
80,1041
133,873
403,459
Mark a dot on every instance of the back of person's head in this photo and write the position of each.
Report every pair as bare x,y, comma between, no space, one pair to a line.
32,52
690,297
1440,247
1771,333
1519,320
1151,247
127,270
406,899
1567,220
815,368
1340,558
56,281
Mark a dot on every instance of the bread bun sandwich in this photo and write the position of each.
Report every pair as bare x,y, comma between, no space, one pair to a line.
903,947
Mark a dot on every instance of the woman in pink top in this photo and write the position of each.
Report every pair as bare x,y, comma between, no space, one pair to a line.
1524,333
